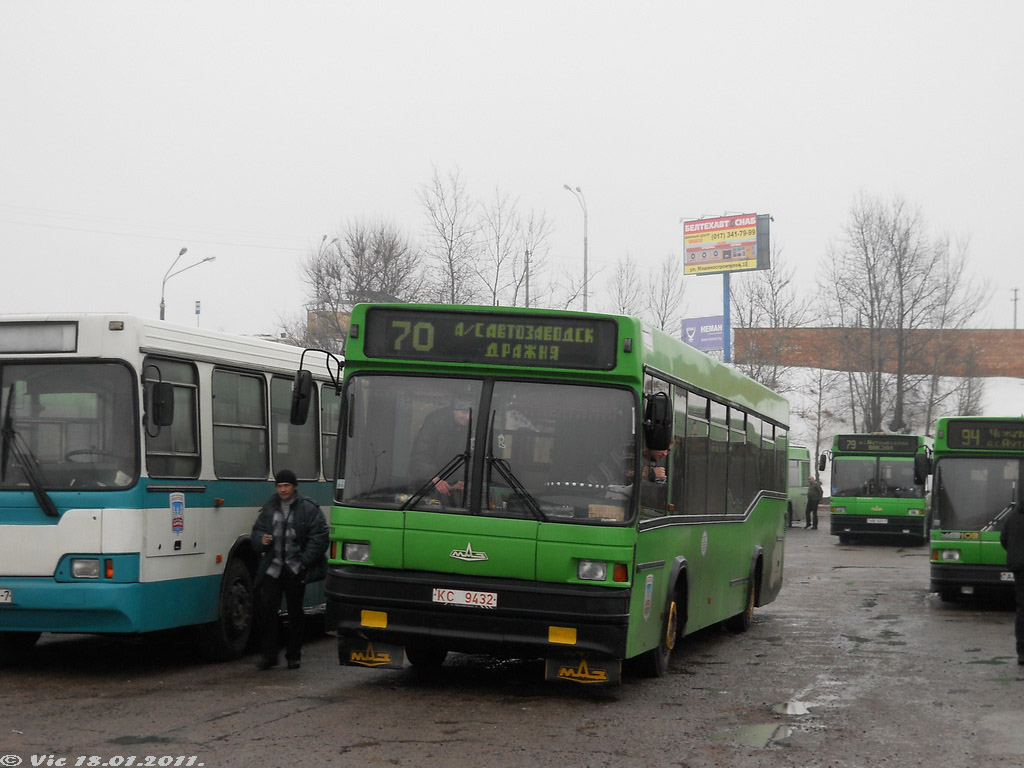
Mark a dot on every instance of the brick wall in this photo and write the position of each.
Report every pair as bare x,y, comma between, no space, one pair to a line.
948,353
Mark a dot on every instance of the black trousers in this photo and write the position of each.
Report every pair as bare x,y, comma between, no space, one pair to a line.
1018,624
811,514
293,589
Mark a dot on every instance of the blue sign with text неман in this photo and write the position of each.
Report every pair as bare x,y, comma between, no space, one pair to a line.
704,333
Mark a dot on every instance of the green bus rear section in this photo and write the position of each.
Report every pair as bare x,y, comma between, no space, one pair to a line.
798,479
710,565
969,560
867,514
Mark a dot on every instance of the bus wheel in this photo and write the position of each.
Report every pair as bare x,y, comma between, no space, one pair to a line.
741,621
227,637
15,644
425,656
654,663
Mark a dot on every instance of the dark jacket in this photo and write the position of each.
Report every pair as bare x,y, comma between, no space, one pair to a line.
310,533
814,492
1012,539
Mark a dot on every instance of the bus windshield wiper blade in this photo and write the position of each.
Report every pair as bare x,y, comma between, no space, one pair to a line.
505,470
446,471
14,444
995,521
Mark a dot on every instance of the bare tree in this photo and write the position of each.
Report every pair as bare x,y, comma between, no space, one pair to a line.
369,261
890,282
822,408
626,287
452,232
665,291
500,238
768,299
530,274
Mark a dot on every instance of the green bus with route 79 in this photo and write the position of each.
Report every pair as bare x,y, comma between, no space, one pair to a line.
577,487
874,491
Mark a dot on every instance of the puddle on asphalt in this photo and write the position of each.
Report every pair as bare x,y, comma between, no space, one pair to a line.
757,736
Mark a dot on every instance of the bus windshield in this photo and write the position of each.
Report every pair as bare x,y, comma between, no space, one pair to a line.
853,477
549,452
971,493
70,425
896,479
875,478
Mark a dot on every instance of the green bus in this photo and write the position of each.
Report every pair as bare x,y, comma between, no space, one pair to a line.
798,480
975,484
874,490
577,487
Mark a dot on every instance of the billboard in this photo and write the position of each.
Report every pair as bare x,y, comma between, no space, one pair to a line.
725,244
704,333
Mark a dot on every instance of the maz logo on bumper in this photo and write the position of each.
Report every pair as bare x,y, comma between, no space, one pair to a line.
468,554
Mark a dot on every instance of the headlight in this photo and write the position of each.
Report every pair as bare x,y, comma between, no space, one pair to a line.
915,512
838,510
949,554
85,569
358,552
592,570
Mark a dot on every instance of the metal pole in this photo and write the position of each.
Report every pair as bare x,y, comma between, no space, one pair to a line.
726,326
578,194
167,274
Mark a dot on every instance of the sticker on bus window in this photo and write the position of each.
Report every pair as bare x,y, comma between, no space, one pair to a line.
177,512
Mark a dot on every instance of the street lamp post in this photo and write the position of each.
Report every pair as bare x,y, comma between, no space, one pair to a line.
578,194
169,274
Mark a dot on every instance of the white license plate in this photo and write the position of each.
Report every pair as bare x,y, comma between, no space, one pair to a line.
465,597
1006,576
7,595
877,520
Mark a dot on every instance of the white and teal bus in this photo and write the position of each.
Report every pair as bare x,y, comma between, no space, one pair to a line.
134,455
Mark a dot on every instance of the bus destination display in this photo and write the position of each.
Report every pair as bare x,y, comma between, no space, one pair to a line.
491,337
877,443
985,435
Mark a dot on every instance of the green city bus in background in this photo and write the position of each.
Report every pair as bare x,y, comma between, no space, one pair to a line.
975,484
496,491
798,480
874,491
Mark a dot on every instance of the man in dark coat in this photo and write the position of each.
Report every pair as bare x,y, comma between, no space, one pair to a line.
291,534
1012,538
814,494
441,438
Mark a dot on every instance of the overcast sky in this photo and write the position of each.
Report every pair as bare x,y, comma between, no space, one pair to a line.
248,130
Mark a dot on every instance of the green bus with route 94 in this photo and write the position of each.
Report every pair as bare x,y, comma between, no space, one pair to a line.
976,471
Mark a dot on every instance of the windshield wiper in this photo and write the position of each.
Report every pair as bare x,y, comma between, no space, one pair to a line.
505,470
446,471
991,526
13,443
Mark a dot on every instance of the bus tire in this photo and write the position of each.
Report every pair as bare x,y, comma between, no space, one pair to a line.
654,663
13,645
227,636
741,621
425,656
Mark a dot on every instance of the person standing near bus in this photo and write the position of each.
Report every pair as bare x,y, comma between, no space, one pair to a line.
1012,538
814,494
291,535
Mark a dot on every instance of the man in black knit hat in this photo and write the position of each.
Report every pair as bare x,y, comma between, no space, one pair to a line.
291,534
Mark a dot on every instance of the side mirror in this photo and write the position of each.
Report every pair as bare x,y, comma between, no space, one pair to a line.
163,404
302,390
922,468
822,461
658,422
